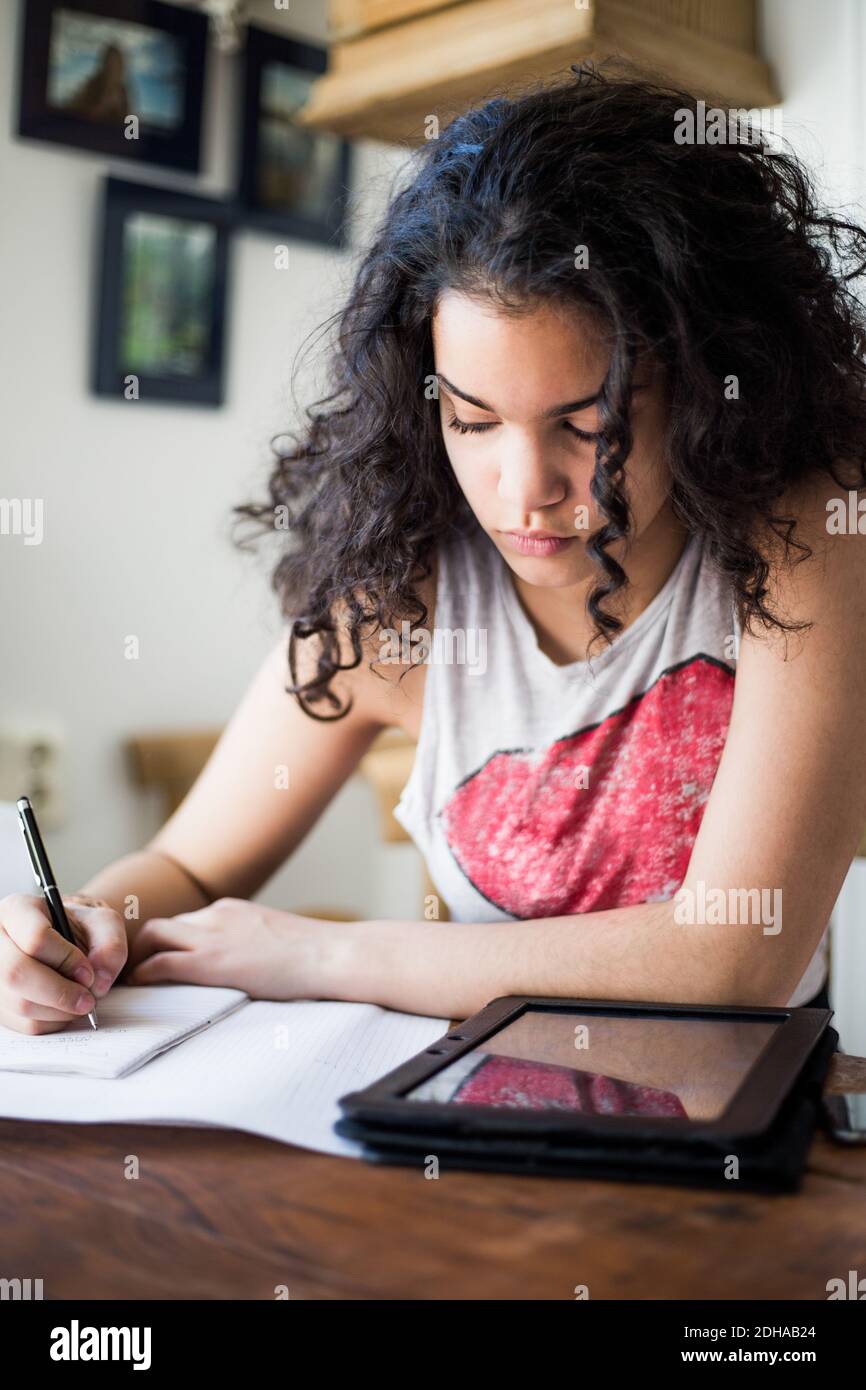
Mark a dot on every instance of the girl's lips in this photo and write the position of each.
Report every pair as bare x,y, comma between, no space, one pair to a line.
537,545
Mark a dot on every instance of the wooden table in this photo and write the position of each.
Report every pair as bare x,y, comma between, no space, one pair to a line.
219,1214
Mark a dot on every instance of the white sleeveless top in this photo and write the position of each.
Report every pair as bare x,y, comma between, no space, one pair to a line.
541,790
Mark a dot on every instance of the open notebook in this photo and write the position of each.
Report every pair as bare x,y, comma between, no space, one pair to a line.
136,1022
213,1057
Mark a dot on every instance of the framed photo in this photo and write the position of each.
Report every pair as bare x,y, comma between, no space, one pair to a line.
161,322
292,180
118,77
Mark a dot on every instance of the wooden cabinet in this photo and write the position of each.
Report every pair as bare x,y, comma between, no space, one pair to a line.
395,63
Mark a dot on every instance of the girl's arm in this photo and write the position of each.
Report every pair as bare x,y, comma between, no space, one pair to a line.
161,886
785,815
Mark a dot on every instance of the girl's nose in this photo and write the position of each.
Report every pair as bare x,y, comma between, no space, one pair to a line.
527,483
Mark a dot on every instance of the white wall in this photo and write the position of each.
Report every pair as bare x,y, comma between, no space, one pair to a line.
137,500
819,55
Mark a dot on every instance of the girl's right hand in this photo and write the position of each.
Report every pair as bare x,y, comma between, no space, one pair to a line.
45,981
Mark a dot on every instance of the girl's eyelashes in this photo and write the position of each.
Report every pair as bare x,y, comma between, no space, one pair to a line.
464,427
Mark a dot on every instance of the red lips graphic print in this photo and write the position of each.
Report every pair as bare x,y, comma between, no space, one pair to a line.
605,817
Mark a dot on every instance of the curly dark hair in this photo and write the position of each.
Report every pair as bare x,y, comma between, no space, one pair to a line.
715,258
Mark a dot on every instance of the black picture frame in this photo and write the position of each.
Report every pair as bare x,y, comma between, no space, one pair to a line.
162,138
323,219
113,364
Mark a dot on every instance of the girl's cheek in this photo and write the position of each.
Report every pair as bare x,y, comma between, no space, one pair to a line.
460,467
479,483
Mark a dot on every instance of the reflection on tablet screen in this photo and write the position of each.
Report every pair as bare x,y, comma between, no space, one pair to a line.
597,1064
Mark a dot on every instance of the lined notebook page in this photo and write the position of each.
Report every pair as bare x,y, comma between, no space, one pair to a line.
136,1023
273,1068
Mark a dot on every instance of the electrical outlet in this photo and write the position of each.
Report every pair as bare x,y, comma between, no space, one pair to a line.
31,757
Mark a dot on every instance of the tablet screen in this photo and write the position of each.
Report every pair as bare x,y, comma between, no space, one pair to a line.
601,1064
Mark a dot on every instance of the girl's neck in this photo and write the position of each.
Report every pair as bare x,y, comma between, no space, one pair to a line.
559,616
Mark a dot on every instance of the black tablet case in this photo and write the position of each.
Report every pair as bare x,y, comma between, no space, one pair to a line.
772,1161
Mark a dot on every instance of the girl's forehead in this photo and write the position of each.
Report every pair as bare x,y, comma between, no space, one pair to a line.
540,340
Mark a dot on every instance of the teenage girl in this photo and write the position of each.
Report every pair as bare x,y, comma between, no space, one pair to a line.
597,423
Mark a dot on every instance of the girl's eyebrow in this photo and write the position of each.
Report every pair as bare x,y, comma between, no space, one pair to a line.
568,408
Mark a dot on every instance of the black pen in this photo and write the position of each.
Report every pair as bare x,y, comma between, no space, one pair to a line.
44,876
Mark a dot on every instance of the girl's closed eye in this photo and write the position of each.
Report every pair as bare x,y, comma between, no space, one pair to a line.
467,427
581,434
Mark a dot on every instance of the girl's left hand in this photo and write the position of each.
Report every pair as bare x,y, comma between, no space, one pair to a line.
236,944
